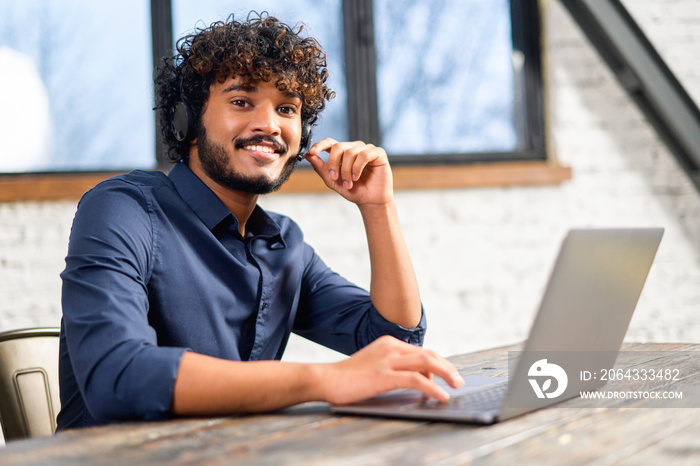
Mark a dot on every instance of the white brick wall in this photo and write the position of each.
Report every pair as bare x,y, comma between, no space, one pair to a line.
33,243
482,255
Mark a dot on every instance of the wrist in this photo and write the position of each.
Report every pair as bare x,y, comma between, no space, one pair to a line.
316,381
383,209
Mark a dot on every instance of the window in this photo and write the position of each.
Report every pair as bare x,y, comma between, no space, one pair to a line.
444,76
75,86
456,80
446,83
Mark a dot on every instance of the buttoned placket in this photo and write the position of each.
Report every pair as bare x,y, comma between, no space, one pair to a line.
238,247
263,314
241,250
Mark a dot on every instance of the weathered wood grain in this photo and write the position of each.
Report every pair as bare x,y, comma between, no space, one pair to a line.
575,432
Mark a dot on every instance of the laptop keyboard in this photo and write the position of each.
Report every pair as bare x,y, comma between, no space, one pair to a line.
479,399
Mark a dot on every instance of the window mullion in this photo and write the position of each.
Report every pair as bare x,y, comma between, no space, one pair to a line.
361,71
162,44
525,24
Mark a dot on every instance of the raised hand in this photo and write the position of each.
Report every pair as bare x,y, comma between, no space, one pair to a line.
357,171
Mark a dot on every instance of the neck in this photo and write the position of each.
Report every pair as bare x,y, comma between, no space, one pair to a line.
240,204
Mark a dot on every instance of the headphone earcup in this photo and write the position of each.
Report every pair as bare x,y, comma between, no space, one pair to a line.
182,121
305,137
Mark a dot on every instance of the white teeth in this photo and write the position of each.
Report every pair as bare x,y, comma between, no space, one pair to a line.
268,150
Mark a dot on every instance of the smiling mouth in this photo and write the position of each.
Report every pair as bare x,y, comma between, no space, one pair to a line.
263,149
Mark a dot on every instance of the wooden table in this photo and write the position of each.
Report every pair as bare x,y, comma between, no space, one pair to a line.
576,431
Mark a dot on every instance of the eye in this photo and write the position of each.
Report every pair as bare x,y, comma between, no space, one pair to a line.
239,103
287,110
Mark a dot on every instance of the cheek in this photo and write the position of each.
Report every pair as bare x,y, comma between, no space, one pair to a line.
221,123
293,136
224,127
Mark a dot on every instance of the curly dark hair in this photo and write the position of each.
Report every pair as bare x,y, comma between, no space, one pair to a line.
261,48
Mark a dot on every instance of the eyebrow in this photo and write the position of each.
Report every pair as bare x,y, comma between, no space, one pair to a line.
240,87
250,88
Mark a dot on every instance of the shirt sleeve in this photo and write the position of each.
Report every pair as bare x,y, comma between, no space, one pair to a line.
340,315
121,371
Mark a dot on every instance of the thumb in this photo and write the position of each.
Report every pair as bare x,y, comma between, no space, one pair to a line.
319,166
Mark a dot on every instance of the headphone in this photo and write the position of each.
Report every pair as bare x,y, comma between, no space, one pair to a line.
182,124
182,116
305,139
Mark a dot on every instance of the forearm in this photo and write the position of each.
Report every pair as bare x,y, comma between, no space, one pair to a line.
361,174
211,386
393,286
208,386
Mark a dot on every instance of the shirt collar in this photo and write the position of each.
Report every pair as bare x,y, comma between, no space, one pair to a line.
202,200
261,225
211,211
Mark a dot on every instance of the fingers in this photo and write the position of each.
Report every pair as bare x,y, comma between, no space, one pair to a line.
346,160
384,365
427,364
416,381
413,367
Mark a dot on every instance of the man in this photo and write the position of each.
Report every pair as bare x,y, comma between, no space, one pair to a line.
180,292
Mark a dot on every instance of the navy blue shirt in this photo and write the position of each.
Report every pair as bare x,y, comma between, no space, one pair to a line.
156,266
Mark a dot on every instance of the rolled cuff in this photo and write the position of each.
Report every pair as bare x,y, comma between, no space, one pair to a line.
379,326
143,391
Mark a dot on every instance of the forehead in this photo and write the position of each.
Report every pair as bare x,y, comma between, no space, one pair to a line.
238,85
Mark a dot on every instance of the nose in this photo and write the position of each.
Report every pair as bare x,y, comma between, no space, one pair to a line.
265,121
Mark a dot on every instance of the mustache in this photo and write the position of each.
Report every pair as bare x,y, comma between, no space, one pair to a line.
279,147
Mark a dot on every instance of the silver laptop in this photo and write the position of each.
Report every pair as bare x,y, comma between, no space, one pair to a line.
583,317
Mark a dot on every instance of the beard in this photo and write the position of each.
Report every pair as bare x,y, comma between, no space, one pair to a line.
215,163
